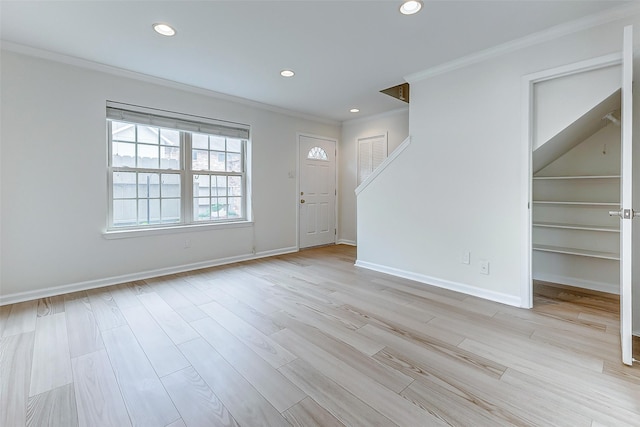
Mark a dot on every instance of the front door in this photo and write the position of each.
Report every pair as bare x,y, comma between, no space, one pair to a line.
317,198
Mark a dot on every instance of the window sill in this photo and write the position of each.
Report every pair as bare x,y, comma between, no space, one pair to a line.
191,228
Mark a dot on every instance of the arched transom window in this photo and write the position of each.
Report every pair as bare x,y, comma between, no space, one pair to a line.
317,153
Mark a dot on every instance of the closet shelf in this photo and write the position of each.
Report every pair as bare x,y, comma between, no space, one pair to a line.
550,202
577,177
606,228
578,252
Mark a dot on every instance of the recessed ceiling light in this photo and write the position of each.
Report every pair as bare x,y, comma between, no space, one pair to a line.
164,29
354,110
287,73
410,7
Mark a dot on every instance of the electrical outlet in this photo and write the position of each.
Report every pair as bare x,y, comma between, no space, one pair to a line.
484,267
466,257
187,244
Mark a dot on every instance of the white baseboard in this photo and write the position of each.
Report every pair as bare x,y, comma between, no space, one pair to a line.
612,288
114,280
346,242
446,284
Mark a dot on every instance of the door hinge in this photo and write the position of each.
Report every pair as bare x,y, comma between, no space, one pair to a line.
335,231
335,192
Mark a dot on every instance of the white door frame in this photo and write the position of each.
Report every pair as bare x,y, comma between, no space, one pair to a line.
528,82
297,198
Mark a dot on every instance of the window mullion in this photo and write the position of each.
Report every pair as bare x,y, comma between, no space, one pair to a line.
187,179
109,175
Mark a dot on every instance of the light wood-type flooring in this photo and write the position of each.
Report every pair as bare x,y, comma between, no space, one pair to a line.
310,340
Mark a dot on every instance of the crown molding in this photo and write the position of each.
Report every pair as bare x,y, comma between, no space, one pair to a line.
552,33
121,72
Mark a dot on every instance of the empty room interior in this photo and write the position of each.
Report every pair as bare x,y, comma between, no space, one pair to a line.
319,213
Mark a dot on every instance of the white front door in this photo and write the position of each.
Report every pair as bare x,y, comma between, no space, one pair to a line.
626,208
317,198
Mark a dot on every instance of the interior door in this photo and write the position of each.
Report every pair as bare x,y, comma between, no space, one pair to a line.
626,213
317,198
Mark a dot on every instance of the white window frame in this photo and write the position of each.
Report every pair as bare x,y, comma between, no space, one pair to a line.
186,125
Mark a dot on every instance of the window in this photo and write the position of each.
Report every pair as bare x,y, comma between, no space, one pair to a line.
168,170
317,153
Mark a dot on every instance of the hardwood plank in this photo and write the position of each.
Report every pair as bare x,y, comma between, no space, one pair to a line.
437,352
98,397
139,287
82,330
146,399
162,353
53,408
483,393
469,380
4,315
105,309
50,305
381,300
21,319
399,318
572,406
251,294
51,366
262,322
308,413
191,314
124,296
385,401
16,352
194,295
450,407
261,344
170,295
246,405
177,423
379,372
592,346
343,405
294,287
261,375
195,401
594,388
174,326
332,309
529,349
334,329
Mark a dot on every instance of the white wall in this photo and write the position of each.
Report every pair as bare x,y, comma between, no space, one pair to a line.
396,124
54,210
460,184
561,101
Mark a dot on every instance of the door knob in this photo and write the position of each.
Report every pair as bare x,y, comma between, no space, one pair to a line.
302,201
625,213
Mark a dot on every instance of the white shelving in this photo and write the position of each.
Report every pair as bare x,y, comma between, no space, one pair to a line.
576,219
603,228
536,178
577,252
564,202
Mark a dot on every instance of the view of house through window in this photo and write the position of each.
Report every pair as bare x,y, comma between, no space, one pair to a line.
167,175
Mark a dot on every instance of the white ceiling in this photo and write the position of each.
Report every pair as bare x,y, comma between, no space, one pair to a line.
343,52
